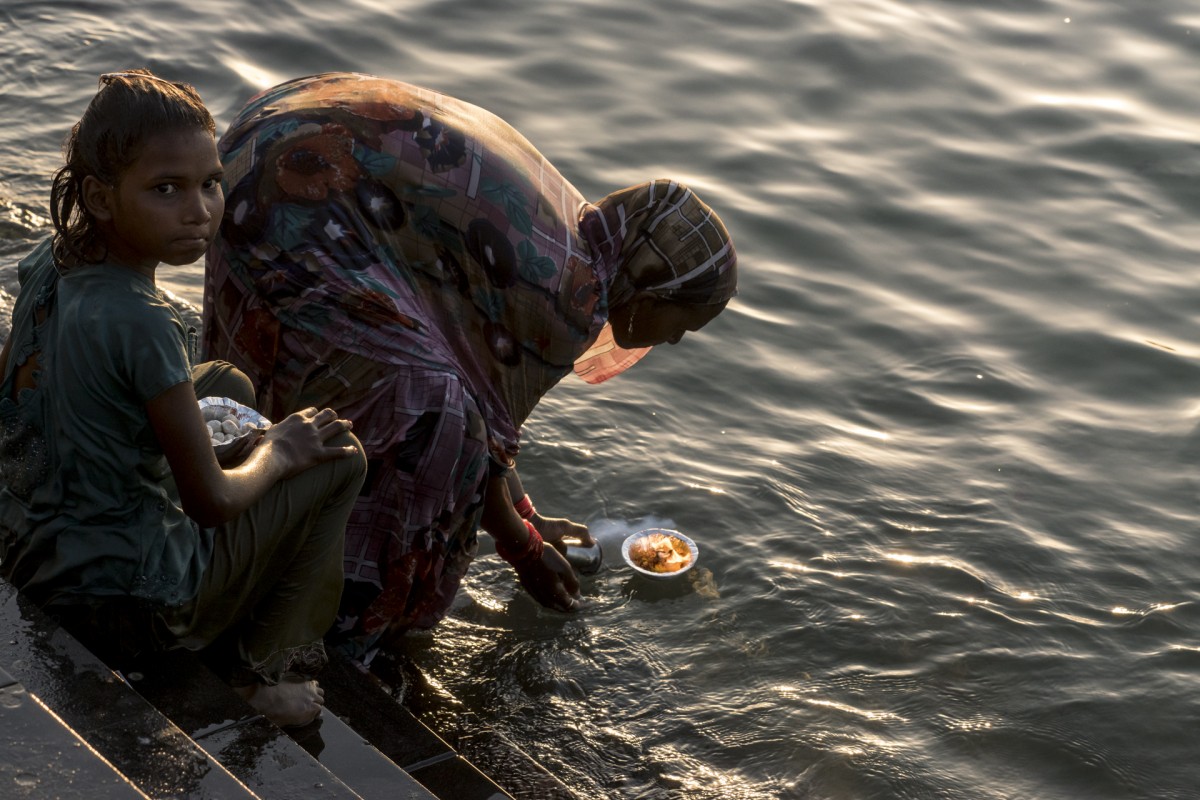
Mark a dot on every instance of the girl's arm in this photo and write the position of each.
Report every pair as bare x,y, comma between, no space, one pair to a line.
22,373
4,355
211,495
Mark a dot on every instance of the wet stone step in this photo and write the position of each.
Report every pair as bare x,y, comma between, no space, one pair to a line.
512,768
42,758
261,755
358,763
362,701
174,729
98,706
522,776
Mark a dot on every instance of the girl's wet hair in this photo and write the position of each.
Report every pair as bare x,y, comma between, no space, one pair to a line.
129,108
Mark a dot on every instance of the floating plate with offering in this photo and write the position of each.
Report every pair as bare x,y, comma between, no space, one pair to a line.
659,553
229,422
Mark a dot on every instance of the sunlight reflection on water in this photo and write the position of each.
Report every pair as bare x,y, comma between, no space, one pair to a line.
940,451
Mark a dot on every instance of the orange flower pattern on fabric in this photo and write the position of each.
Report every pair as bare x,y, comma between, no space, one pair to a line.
317,165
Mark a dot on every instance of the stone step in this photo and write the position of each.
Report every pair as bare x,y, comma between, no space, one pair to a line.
364,699
271,761
358,763
257,752
170,727
356,697
44,758
93,704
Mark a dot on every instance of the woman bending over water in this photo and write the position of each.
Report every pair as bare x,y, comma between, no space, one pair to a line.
413,261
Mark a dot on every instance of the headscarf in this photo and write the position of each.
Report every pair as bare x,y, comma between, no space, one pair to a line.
664,240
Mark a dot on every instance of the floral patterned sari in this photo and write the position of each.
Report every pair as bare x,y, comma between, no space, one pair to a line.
412,261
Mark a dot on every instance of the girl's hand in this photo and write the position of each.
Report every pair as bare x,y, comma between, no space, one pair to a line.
301,440
239,452
212,494
551,581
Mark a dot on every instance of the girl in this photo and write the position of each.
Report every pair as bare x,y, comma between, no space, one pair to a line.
114,511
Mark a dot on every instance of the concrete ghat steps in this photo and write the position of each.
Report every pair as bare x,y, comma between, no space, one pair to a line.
168,727
418,765
259,754
144,751
43,757
364,700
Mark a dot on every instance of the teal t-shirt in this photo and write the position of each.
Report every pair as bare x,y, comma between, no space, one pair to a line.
104,519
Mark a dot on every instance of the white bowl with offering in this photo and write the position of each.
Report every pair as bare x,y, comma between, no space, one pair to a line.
659,553
229,422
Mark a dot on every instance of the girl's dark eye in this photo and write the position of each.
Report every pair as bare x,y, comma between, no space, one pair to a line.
166,188
212,183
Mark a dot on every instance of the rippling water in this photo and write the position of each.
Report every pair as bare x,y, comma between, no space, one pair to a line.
939,455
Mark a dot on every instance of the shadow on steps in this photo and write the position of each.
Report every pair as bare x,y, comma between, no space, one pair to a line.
166,726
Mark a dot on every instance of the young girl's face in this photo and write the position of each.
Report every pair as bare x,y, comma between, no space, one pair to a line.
166,207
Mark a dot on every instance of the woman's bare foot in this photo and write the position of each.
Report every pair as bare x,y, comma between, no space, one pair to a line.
290,703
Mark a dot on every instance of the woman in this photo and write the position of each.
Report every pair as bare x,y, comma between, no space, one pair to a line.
413,261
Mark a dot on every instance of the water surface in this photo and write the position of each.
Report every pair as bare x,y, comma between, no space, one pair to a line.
939,454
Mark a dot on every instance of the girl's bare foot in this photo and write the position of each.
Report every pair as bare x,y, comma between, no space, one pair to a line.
290,703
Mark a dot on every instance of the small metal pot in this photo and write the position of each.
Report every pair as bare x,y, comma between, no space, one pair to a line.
585,560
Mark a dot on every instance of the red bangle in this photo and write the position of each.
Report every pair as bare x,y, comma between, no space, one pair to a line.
525,508
531,552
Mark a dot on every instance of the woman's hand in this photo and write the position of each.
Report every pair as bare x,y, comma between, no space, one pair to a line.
551,581
555,529
552,529
548,578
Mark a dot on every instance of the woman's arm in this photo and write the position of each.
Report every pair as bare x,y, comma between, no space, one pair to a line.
548,578
552,529
211,495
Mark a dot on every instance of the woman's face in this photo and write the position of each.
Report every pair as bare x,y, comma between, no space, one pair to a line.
647,320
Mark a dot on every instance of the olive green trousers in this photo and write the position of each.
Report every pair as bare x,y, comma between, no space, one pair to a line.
271,588
272,585
274,580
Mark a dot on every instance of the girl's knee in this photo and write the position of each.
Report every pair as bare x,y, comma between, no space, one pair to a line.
222,379
349,469
358,461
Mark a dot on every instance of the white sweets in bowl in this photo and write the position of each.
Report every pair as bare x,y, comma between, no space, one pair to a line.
229,421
